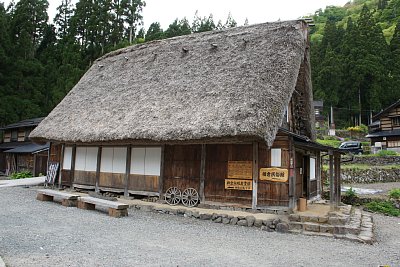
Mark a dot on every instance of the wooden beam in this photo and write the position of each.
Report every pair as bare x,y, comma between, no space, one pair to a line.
202,172
61,165
161,177
127,170
337,180
331,182
255,175
73,165
292,174
98,169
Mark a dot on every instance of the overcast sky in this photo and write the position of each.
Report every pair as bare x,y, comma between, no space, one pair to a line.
256,11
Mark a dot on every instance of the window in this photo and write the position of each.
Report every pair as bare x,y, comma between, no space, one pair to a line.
146,161
113,159
393,144
27,133
67,160
14,135
276,157
312,169
396,121
86,159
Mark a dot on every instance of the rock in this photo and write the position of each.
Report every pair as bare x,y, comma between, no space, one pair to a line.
214,216
276,221
282,227
258,223
294,217
250,220
218,220
196,214
268,222
266,228
226,220
205,216
234,220
241,217
242,222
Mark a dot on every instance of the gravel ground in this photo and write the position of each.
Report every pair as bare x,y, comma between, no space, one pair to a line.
35,233
385,187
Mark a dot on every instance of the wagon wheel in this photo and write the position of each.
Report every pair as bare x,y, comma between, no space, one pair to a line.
190,197
173,196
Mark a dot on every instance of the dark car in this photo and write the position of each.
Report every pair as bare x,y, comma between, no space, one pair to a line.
354,147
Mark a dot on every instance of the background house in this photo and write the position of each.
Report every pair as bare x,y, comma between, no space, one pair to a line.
318,109
18,153
384,132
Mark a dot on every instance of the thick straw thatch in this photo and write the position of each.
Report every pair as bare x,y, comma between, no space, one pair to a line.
230,83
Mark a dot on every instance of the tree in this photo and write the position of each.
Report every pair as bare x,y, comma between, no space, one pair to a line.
155,32
178,28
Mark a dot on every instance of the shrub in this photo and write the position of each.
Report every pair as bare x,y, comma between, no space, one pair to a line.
383,153
394,194
385,207
350,197
359,129
19,175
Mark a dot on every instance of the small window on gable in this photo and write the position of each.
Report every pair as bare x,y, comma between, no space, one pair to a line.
14,135
312,169
276,157
396,121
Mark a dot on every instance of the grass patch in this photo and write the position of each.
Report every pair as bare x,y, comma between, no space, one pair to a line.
385,207
332,143
20,175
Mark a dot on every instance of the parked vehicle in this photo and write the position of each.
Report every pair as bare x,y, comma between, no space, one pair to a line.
354,147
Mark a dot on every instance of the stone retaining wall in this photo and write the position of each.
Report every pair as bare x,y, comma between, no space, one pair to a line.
375,161
373,175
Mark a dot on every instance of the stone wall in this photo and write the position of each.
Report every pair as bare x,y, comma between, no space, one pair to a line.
375,161
373,175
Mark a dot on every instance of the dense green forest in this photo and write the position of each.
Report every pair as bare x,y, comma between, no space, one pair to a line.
355,51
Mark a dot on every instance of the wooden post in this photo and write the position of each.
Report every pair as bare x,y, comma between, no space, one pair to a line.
61,165
202,172
331,182
73,165
337,180
255,175
292,175
34,164
48,161
96,188
161,178
127,170
318,172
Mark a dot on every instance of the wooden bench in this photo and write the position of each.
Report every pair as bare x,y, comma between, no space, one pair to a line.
67,199
115,209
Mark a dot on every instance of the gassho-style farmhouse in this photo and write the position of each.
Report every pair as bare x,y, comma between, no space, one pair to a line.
216,117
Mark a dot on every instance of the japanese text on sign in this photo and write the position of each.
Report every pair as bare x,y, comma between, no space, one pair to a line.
240,169
274,174
238,184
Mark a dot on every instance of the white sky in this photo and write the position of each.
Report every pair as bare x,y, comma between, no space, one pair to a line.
256,11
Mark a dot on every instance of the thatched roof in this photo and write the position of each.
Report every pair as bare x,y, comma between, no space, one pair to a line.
219,84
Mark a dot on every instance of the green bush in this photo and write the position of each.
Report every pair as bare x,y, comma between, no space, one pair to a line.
383,153
385,207
395,193
20,175
358,129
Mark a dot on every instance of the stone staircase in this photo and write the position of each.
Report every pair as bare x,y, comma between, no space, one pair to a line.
347,223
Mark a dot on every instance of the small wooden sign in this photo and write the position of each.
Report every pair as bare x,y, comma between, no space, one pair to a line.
240,170
274,174
236,184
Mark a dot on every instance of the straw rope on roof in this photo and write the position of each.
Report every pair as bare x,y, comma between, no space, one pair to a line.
230,83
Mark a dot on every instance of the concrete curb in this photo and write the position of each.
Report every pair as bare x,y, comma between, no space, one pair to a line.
2,264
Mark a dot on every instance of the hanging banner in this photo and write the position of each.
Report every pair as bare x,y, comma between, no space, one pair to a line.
274,174
236,184
240,170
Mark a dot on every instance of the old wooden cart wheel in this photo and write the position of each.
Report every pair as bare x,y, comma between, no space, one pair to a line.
173,196
190,197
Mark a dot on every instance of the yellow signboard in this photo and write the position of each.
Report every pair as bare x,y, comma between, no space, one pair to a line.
240,169
274,174
238,184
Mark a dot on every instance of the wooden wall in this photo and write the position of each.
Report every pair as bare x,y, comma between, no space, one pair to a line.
273,193
87,178
144,183
182,167
216,172
111,180
386,121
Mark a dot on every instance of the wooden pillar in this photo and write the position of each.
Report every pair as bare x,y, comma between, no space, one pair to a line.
331,182
96,188
61,165
73,165
202,172
337,180
127,170
255,175
292,175
318,172
34,164
48,161
161,178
